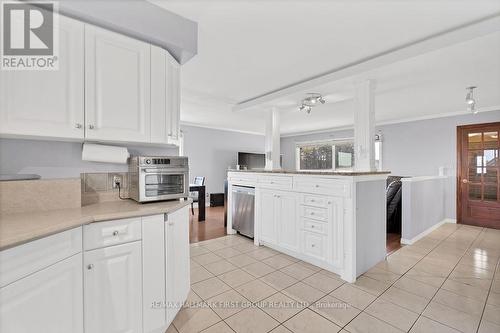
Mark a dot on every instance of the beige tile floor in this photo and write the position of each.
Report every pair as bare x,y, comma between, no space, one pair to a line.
448,281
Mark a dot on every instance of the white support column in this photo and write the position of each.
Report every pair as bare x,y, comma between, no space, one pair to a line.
273,140
364,126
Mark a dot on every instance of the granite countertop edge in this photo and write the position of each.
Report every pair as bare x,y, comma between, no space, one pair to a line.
27,229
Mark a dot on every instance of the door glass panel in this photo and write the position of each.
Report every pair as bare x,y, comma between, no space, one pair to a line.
475,165
475,175
490,157
490,176
490,193
474,192
490,139
475,141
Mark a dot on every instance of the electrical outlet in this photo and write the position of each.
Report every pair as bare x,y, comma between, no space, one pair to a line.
117,181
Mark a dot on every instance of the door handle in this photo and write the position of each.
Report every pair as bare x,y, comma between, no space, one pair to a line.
465,181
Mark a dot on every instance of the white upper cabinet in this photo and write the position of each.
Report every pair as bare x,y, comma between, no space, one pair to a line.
117,87
47,103
165,97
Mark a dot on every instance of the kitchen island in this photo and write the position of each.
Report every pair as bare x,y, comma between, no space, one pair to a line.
334,220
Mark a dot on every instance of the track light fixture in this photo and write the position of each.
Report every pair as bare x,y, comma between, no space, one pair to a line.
469,100
311,99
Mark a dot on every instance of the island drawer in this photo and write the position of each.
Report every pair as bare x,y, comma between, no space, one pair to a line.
242,179
316,213
278,182
314,226
102,234
319,185
314,245
314,200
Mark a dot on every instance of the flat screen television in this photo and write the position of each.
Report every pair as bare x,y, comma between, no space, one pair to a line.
253,161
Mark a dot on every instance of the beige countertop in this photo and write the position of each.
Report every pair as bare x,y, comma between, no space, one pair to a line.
18,228
319,173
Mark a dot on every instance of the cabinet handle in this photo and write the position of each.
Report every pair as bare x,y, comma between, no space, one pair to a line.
329,202
312,213
115,233
90,266
313,245
317,185
91,127
312,200
78,125
312,226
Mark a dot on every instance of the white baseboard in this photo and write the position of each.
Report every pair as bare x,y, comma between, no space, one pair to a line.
426,232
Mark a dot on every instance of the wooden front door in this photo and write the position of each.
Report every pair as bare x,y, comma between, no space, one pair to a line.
478,187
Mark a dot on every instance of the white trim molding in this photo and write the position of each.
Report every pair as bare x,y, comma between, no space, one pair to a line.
426,232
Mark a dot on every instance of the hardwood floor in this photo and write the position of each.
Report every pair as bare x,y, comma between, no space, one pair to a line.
213,227
392,243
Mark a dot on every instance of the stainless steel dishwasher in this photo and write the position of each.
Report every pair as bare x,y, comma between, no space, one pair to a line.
243,209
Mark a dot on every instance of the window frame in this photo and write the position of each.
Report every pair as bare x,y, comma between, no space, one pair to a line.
330,142
333,143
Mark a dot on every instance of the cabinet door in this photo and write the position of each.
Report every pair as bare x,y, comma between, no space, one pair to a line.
336,221
50,300
47,103
165,97
288,220
113,289
117,87
177,256
153,272
267,216
173,98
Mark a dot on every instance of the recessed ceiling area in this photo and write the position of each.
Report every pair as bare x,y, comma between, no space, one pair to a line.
251,48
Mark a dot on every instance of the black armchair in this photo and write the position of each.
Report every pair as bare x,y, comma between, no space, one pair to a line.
393,194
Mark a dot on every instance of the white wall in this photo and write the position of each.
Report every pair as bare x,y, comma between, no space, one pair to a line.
417,148
53,159
211,152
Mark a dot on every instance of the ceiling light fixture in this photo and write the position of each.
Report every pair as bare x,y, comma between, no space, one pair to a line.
470,101
311,99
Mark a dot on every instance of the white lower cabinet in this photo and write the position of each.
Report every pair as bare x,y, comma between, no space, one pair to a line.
113,289
308,225
50,300
277,212
177,261
266,210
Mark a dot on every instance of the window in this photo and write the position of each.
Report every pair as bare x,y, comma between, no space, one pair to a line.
325,155
331,155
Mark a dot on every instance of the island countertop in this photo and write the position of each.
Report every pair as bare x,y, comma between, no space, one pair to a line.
19,228
319,173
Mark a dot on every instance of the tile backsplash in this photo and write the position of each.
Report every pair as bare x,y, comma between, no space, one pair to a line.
98,187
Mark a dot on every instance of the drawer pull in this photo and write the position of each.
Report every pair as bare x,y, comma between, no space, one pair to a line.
312,200
90,266
329,202
312,213
313,245
312,226
115,233
317,185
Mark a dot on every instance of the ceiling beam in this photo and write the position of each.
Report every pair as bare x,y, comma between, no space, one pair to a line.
428,44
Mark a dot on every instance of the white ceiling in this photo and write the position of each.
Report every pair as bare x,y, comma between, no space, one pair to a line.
250,48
